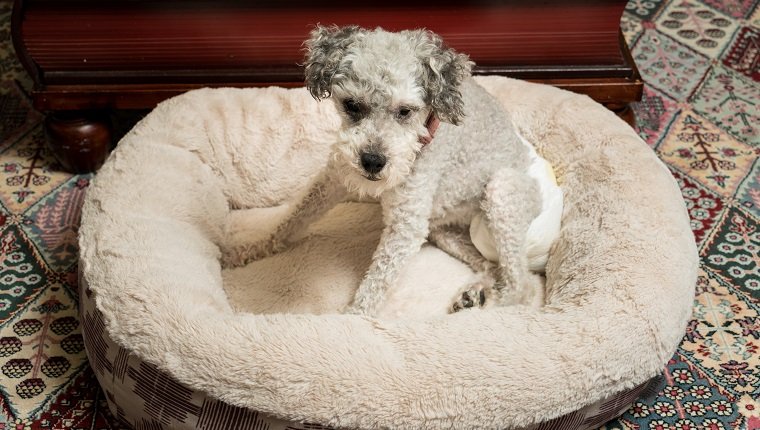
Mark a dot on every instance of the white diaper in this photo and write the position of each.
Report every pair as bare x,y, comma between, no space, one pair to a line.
544,229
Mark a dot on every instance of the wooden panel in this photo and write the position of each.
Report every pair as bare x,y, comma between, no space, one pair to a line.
72,41
89,97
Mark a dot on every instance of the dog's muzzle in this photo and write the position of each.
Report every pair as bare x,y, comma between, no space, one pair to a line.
372,162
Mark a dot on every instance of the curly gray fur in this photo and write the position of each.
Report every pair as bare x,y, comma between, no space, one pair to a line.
445,71
441,70
385,86
324,51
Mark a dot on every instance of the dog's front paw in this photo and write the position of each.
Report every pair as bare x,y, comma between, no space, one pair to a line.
361,306
353,310
240,255
266,249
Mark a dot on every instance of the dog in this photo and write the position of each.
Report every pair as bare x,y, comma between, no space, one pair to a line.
419,134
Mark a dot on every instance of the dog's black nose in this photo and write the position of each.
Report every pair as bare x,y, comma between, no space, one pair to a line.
372,162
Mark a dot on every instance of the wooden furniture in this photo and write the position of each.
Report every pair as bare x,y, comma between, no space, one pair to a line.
89,57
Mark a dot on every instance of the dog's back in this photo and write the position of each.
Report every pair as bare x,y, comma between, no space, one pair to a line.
463,157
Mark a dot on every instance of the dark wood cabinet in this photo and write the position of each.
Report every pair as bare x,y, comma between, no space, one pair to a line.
87,57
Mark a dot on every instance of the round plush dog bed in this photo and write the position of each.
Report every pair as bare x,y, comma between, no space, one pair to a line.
177,341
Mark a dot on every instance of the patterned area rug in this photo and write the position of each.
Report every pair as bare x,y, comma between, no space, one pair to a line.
701,63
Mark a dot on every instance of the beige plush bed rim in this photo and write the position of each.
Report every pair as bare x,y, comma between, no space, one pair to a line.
175,339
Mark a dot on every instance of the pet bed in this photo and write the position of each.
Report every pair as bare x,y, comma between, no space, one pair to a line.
178,342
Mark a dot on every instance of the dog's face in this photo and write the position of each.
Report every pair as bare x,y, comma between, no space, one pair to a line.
386,86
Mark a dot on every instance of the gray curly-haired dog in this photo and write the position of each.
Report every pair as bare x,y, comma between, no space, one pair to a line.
392,89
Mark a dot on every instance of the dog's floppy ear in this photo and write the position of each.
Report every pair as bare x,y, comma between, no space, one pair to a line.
324,50
445,69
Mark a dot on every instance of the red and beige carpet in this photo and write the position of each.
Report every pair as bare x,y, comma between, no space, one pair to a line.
701,64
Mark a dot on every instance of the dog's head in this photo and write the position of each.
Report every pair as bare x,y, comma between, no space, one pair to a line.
386,87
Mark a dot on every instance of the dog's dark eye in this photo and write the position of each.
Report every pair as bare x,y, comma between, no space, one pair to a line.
404,112
353,109
351,106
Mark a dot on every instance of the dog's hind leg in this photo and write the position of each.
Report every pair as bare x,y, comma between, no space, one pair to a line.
512,200
455,241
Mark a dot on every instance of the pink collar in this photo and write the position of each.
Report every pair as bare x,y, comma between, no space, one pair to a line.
431,124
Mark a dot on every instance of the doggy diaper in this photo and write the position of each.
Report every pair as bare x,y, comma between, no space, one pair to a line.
545,227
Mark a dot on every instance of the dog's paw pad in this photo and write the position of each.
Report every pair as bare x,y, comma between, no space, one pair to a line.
473,297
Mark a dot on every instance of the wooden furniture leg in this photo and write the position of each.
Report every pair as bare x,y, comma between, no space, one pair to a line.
79,140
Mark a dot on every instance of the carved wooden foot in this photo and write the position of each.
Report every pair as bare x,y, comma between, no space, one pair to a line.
79,140
624,111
